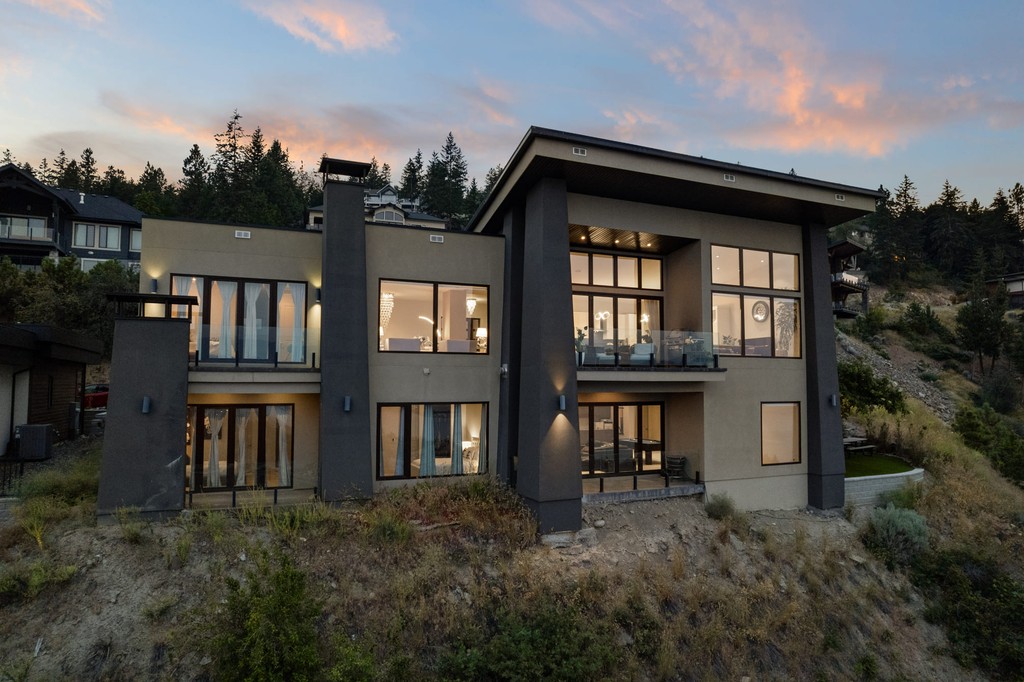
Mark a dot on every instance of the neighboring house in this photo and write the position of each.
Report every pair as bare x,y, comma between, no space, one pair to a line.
1014,283
42,375
388,213
612,310
842,258
388,194
38,222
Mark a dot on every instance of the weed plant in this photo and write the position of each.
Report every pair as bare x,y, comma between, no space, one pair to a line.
26,579
897,536
71,481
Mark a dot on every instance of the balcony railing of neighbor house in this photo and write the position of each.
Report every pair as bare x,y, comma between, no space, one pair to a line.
653,349
18,228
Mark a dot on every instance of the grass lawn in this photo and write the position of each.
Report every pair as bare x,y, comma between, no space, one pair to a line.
874,465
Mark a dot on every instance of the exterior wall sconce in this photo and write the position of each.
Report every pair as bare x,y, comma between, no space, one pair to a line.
147,404
317,294
832,400
154,284
347,404
561,403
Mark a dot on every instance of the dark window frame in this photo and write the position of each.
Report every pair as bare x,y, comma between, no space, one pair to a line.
639,471
434,316
771,316
771,269
407,453
639,256
799,432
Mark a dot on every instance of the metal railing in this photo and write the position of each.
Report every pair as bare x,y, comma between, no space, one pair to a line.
630,349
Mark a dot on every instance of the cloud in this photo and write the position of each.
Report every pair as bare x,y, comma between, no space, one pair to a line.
635,125
152,120
490,98
581,16
329,25
91,10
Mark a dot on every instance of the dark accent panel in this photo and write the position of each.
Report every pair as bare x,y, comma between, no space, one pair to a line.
556,515
144,454
548,448
512,332
53,386
825,463
346,461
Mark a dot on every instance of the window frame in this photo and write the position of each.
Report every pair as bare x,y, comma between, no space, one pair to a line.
131,239
799,432
773,338
771,268
407,453
615,405
434,316
640,257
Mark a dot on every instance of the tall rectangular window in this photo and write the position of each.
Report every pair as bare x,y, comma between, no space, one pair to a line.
424,440
239,446
621,438
136,239
780,433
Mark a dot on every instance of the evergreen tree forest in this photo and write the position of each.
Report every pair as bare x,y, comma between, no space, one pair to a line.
951,240
249,179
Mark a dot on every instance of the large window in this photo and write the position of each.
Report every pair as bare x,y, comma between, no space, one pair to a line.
245,320
426,317
24,227
755,326
780,433
733,266
621,439
239,446
614,270
616,323
97,236
422,440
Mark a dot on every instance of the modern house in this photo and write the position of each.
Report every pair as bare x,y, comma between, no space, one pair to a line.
1014,286
615,317
37,222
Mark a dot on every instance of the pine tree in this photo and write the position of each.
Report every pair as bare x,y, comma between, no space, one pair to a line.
60,164
444,189
44,174
946,243
412,178
194,191
7,157
154,196
375,179
491,179
87,172
115,183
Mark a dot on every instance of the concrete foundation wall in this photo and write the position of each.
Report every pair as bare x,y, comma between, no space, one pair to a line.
866,491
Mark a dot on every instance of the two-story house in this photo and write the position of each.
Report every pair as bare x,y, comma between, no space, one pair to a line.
615,316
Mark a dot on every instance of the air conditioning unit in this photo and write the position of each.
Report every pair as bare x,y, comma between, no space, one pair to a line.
34,441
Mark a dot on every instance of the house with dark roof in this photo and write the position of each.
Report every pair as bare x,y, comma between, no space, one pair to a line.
37,222
618,320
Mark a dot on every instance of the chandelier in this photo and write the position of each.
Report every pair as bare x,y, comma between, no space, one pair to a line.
387,304
470,306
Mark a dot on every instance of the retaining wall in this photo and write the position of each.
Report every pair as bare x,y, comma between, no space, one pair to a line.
865,491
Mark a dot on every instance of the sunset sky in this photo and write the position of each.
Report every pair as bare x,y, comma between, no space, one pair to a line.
860,93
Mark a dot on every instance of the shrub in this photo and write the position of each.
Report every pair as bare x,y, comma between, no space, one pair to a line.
999,389
71,481
267,630
895,535
720,506
921,320
905,497
990,434
22,580
861,390
870,324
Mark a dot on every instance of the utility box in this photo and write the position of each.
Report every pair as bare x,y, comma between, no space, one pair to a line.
33,441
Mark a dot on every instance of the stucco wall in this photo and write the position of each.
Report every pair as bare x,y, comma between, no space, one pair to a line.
395,253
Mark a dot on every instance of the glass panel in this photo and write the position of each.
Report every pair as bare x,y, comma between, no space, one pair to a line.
136,237
37,228
110,237
726,327
247,443
756,269
183,285
604,333
406,316
278,446
787,328
780,433
626,323
460,310
586,465
650,319
626,455
291,322
256,321
222,319
215,448
604,439
652,442
85,235
191,447
392,441
604,270
579,265
415,436
627,271
651,273
581,321
466,438
758,330
725,265
785,274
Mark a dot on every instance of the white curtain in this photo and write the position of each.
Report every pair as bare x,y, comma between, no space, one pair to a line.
284,418
216,418
427,467
481,465
298,326
252,294
241,438
227,330
180,284
457,439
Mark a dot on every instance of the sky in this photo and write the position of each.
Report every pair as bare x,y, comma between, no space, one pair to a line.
860,93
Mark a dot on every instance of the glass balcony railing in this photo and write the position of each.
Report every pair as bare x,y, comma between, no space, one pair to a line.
27,229
654,348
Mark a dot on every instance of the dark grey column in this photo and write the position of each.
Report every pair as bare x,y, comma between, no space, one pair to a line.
346,461
511,341
144,454
548,476
826,467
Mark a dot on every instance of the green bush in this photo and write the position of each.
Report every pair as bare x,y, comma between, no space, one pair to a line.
896,536
981,607
921,320
905,497
999,389
71,481
719,506
985,431
869,324
861,390
267,629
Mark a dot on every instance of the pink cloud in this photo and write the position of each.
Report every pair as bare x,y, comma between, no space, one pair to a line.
329,25
149,119
490,98
89,9
581,16
635,125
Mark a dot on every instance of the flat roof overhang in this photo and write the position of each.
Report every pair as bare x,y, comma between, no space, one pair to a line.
592,166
